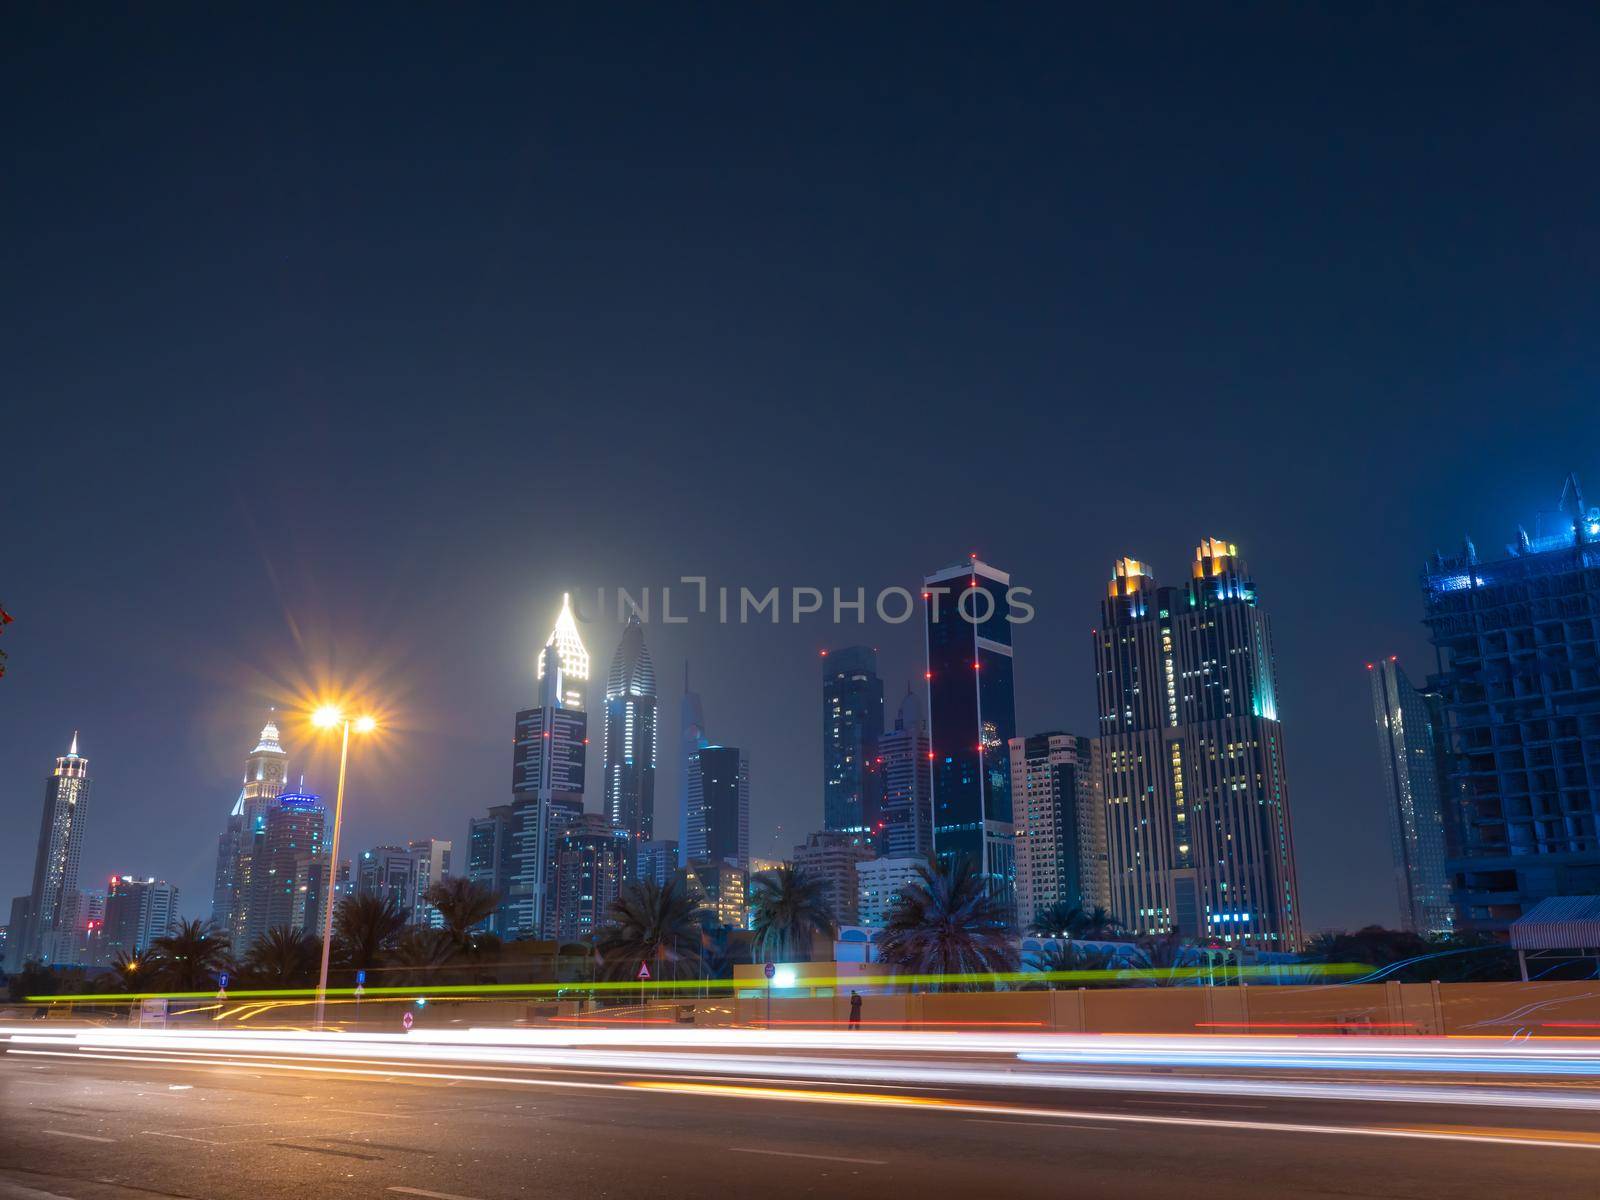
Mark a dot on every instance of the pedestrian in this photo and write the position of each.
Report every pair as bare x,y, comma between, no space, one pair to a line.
855,1009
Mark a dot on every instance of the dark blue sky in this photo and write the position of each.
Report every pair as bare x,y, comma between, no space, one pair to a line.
342,343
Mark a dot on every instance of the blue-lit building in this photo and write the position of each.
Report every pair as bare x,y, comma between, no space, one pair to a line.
1408,760
971,717
1518,644
852,723
630,738
286,867
1198,835
691,740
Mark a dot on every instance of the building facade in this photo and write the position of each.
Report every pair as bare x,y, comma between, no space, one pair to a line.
719,807
52,931
905,780
1408,761
1518,645
491,863
591,863
722,887
433,866
1198,833
852,722
266,774
830,857
630,738
691,740
137,912
1061,823
971,718
657,861
286,864
880,882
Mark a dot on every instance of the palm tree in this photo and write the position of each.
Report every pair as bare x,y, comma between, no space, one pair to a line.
129,970
651,923
464,904
365,926
283,957
420,954
1071,956
790,907
947,922
1056,920
189,956
1098,924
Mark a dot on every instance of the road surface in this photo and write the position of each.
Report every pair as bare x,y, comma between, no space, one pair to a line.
121,1124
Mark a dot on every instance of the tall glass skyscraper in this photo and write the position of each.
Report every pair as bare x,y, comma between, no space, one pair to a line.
852,722
630,739
1060,821
691,740
972,717
718,829
51,934
266,773
903,770
1408,758
1518,645
1197,799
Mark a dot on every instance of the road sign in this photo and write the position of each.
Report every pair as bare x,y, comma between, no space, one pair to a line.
360,991
770,969
408,1020
222,980
361,977
644,971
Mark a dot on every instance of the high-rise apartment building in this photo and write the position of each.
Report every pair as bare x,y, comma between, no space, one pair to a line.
389,871
630,737
286,863
657,861
723,887
972,717
266,773
1408,760
52,929
718,828
137,912
830,857
490,862
1518,643
1059,806
691,740
905,783
852,722
880,883
433,866
591,863
1197,799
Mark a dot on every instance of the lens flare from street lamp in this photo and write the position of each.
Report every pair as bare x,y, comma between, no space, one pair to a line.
366,724
326,717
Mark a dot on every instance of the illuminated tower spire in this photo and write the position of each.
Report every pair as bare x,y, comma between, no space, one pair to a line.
573,657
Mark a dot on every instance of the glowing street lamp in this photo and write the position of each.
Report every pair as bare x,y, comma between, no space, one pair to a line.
330,717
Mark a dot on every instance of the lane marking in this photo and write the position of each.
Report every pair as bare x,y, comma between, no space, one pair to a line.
1034,1124
431,1195
866,1162
181,1136
335,1153
180,1087
82,1137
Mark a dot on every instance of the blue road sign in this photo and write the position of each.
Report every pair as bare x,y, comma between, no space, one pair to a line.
222,980
361,977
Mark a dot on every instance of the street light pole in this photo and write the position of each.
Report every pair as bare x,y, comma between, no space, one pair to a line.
330,878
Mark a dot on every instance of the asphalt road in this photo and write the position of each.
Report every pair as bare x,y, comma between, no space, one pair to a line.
125,1127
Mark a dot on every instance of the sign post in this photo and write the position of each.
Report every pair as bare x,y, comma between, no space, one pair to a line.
644,974
769,971
361,982
222,986
407,1021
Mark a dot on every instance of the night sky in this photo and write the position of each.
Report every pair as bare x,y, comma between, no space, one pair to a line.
337,345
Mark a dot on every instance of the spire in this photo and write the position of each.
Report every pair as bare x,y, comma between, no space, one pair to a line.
268,742
632,672
73,753
569,646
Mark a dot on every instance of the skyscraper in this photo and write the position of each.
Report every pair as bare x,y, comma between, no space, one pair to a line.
905,779
1518,641
718,828
657,861
490,862
1061,823
880,884
389,871
547,777
630,738
432,856
287,860
972,717
1197,801
1408,758
52,934
691,739
266,772
830,857
591,862
137,912
852,722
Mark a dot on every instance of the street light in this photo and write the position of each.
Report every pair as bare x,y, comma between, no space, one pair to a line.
328,717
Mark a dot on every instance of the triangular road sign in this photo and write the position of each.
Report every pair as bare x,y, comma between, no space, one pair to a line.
644,970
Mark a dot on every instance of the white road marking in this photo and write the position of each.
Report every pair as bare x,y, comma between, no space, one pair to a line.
181,1136
180,1087
867,1162
432,1195
1036,1124
82,1137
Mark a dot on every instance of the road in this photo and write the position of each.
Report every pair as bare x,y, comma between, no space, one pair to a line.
241,1123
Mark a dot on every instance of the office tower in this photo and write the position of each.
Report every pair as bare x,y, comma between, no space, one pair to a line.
51,932
286,858
1408,759
1061,823
880,882
491,863
266,773
591,863
905,779
830,856
691,740
91,928
972,717
433,865
547,778
1519,685
657,861
17,933
724,888
1198,833
389,871
852,721
137,912
718,827
630,737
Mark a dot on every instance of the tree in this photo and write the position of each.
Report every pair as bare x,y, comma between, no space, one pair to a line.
35,979
283,957
790,909
947,922
1097,924
420,953
1056,920
1070,956
651,923
364,927
464,904
189,956
129,970
1373,945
